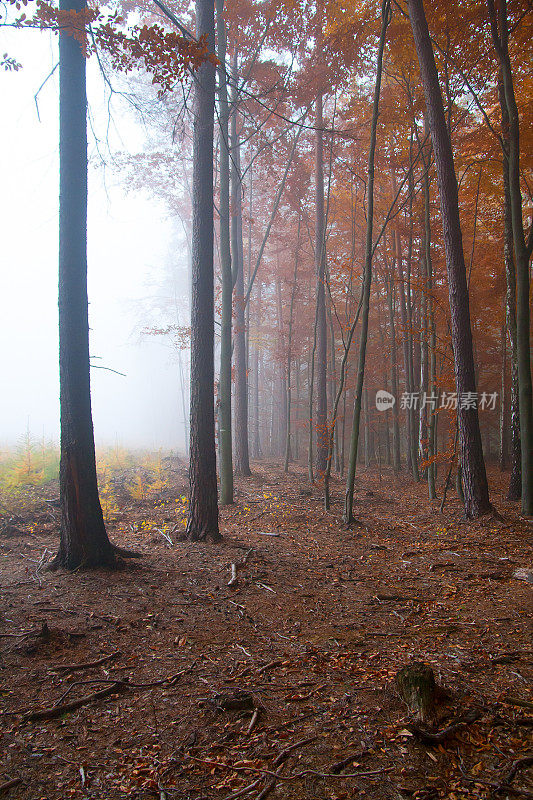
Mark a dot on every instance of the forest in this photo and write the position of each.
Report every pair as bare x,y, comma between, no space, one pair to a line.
316,582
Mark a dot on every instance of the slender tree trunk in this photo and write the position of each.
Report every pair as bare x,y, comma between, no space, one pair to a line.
504,431
242,459
288,454
202,522
367,275
474,477
83,537
515,481
283,404
394,380
311,384
522,250
366,424
322,339
423,342
224,386
256,437
432,344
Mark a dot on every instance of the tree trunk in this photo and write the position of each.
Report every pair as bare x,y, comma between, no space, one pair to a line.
474,477
367,275
504,431
83,537
394,379
321,321
522,250
515,481
202,522
432,344
242,459
224,386
256,438
288,453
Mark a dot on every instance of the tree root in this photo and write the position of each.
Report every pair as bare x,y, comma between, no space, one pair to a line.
440,736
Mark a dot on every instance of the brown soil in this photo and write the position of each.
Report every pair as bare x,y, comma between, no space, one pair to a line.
310,637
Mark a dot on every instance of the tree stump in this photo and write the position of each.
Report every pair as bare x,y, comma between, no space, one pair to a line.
416,685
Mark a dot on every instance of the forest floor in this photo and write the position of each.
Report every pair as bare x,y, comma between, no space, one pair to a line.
282,684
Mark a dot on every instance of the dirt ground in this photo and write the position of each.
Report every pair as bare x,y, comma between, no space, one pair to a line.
282,684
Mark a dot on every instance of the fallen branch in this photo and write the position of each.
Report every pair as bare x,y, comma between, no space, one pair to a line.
270,665
514,701
114,687
338,767
437,738
85,664
294,776
499,787
65,708
278,762
253,722
520,763
9,784
236,566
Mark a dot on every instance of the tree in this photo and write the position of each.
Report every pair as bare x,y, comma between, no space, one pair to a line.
523,249
367,275
321,327
83,538
242,459
202,522
224,385
474,477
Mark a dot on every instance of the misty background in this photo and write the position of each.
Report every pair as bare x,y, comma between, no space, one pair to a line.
137,265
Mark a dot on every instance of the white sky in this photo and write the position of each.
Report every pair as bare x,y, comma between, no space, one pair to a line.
129,240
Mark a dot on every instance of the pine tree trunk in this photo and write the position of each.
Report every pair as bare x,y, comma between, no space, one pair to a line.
83,537
224,387
474,477
202,522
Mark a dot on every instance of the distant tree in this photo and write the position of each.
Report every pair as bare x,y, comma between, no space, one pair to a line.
474,477
202,522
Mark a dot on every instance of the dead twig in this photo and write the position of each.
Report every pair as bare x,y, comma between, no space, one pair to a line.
293,776
85,664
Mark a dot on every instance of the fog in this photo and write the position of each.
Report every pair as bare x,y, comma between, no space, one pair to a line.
134,253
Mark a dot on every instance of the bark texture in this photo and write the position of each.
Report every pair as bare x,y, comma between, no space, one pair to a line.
224,385
474,477
83,538
202,522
